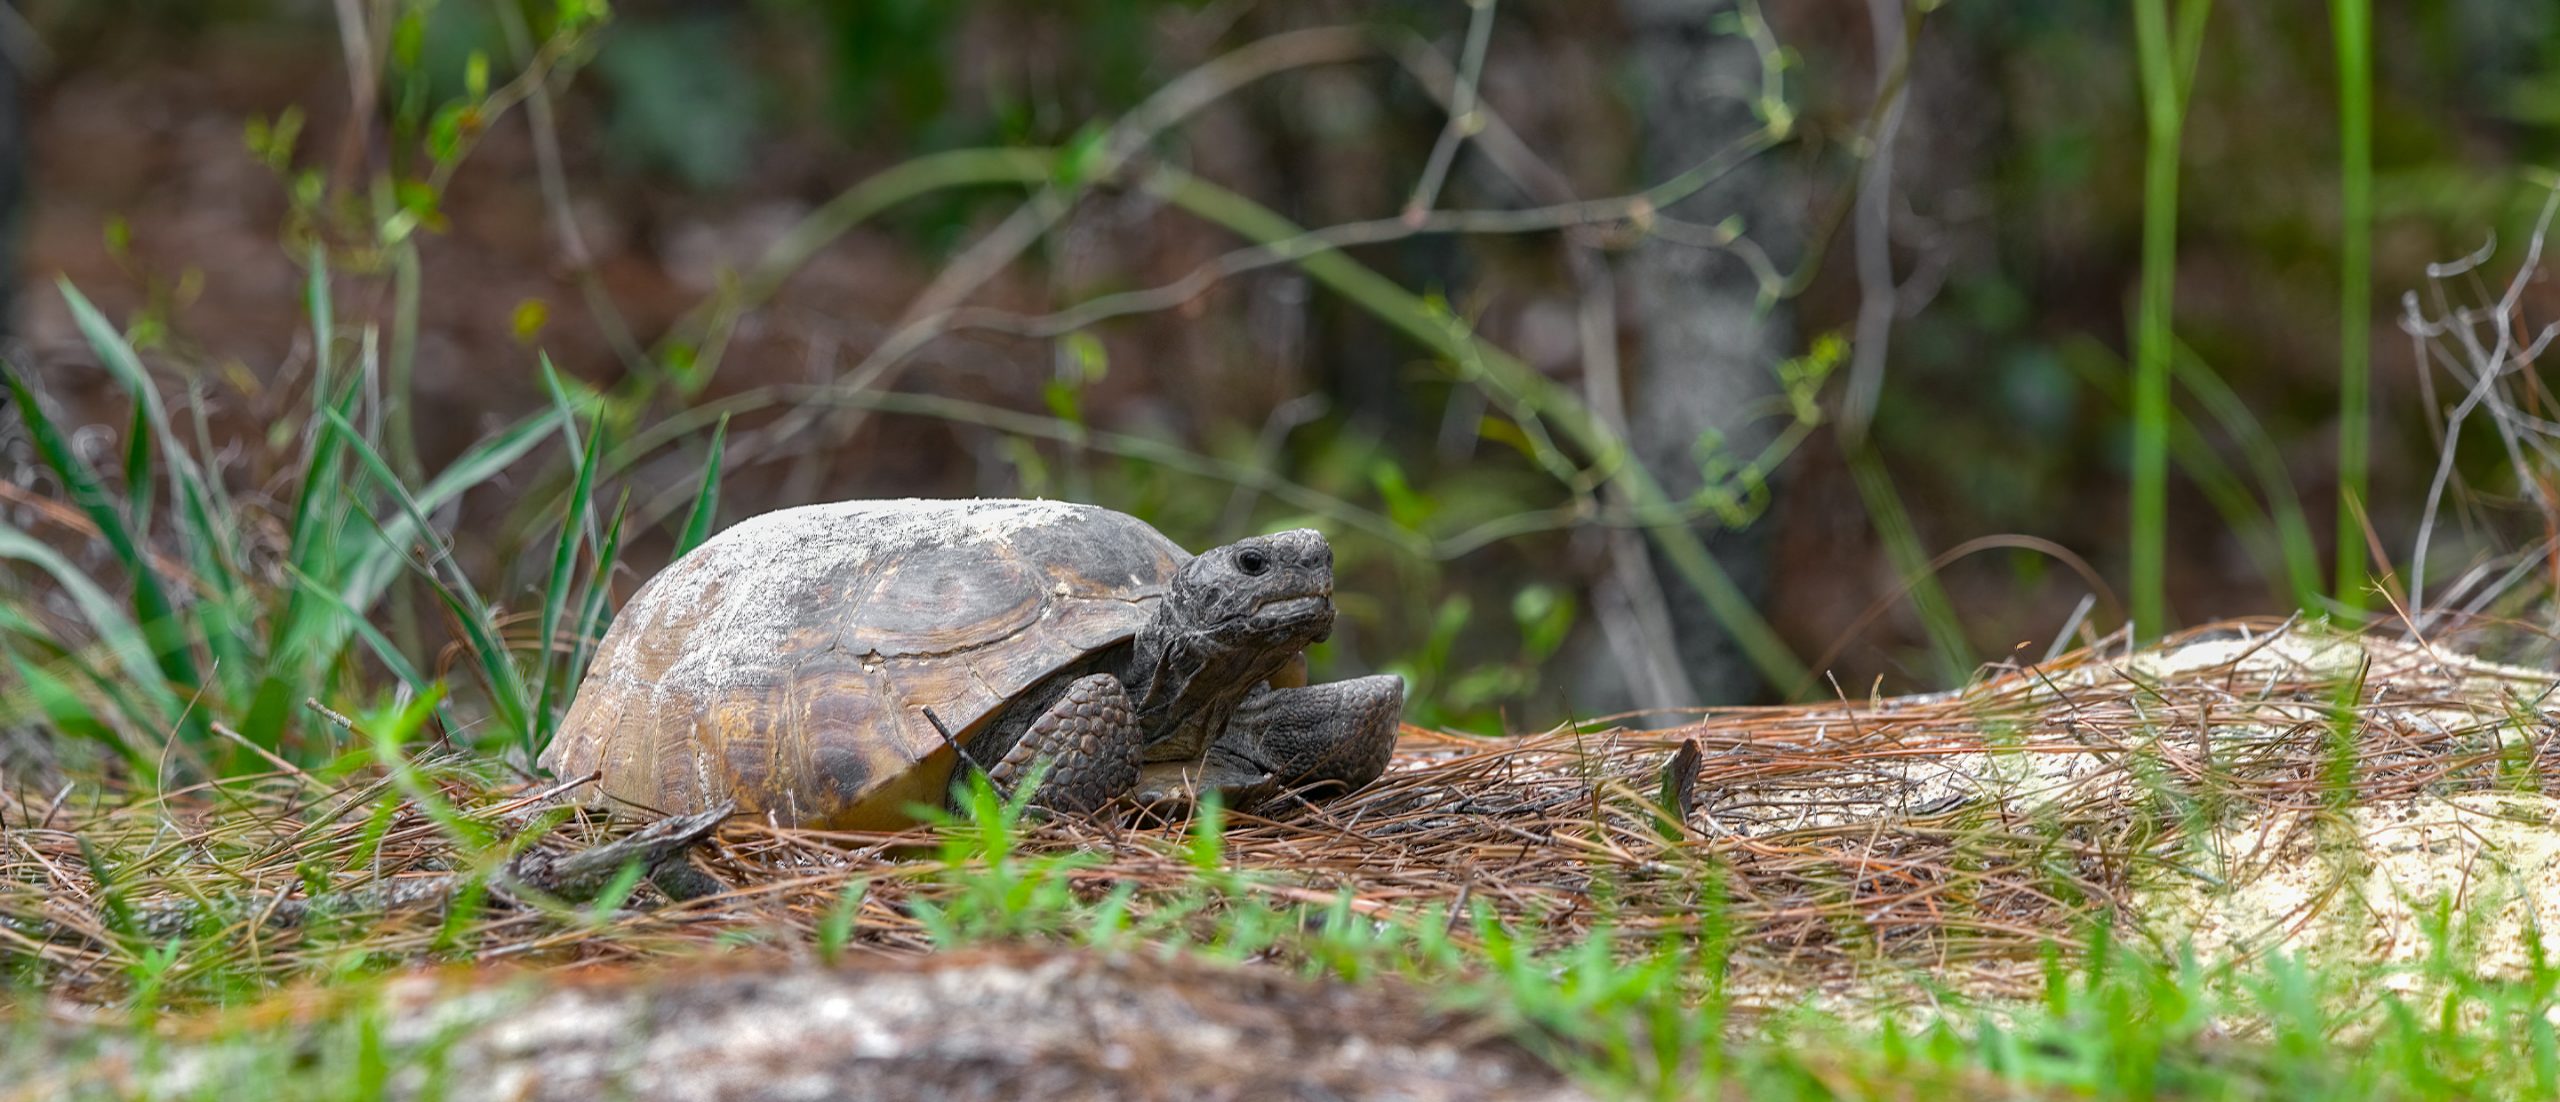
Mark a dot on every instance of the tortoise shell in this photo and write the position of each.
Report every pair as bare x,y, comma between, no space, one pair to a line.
787,662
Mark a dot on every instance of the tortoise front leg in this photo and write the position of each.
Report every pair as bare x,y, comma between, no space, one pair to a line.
1322,740
1090,739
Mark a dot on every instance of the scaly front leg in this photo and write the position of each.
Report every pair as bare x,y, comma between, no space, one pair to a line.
1319,740
1090,739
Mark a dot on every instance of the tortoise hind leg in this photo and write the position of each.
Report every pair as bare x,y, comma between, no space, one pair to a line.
1089,738
1321,740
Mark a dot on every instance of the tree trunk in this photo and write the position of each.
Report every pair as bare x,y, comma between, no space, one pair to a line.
1706,354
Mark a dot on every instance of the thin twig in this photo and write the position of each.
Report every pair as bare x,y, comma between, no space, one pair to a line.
1464,121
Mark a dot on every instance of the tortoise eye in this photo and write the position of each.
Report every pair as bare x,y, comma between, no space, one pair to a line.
1251,560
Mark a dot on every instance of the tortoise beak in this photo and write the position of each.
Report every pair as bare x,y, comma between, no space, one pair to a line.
1305,609
1308,617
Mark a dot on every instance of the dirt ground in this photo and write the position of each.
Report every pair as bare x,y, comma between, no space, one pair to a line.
969,1026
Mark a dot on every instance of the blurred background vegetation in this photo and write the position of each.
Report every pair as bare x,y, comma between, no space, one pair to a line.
1826,393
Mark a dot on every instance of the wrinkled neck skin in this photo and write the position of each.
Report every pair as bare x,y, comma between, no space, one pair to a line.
1186,682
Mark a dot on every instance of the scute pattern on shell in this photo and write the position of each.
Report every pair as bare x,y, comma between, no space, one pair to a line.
786,662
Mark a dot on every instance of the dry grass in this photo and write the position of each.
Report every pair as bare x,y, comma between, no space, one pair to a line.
1956,833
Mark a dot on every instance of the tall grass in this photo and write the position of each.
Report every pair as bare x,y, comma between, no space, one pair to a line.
220,629
2351,22
1951,654
2166,53
2269,523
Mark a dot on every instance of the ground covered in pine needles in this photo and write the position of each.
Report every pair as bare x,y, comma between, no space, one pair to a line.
2251,787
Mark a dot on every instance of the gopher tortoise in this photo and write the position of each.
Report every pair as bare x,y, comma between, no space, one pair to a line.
798,663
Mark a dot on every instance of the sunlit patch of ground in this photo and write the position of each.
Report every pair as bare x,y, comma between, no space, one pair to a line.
2381,883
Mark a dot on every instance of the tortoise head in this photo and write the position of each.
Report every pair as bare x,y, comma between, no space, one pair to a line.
1271,592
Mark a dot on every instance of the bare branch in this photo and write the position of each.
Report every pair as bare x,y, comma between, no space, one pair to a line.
1464,120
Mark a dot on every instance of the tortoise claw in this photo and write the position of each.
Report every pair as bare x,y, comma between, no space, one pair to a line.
1179,784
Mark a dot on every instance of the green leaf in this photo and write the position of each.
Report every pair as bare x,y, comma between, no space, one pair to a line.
1408,508
409,37
419,197
1091,359
1082,157
1545,614
444,133
530,316
1065,401
576,15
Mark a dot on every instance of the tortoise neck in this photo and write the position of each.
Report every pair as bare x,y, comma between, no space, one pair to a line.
1185,683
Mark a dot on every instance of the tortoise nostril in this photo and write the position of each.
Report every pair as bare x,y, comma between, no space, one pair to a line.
1304,548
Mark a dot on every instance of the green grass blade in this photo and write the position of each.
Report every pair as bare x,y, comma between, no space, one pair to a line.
151,604
398,384
2301,555
568,407
307,637
591,611
564,566
137,476
471,614
320,506
2166,53
324,314
2351,22
206,525
208,542
44,695
376,556
371,569
2196,457
1953,654
131,648
186,479
706,502
383,648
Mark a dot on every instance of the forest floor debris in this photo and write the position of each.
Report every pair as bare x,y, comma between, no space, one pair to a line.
2252,786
